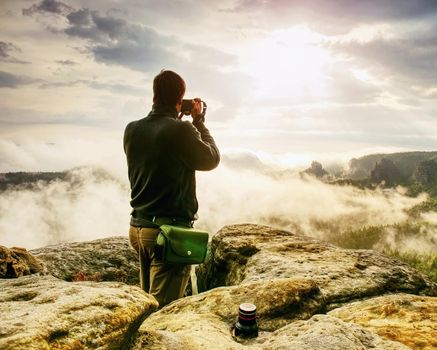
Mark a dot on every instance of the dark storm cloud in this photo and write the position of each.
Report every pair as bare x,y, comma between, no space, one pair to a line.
9,80
47,6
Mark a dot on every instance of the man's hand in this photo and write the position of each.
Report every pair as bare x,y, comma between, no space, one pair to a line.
196,112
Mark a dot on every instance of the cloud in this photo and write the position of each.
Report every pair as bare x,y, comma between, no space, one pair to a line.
115,41
89,204
47,6
412,59
59,148
114,86
64,211
88,24
5,49
66,62
9,80
331,16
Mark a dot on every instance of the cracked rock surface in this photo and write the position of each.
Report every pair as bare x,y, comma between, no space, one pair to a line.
43,312
410,319
293,280
248,253
107,259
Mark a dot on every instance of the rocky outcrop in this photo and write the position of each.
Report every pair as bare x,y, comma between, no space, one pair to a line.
406,318
387,172
43,312
248,253
328,333
316,170
205,321
17,262
108,259
426,173
293,280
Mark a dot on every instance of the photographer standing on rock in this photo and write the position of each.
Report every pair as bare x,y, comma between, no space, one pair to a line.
163,152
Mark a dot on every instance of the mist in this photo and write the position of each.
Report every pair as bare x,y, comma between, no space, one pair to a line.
90,204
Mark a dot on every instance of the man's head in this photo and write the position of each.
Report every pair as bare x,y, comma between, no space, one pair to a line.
168,89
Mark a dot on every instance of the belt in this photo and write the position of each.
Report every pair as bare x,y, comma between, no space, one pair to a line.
156,221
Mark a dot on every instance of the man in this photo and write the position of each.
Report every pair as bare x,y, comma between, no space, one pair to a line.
163,152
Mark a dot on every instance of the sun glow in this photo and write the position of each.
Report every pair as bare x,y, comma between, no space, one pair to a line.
287,63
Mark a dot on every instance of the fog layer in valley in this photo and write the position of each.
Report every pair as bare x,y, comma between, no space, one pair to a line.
90,204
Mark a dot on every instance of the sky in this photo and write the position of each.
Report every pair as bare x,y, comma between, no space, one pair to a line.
290,81
286,82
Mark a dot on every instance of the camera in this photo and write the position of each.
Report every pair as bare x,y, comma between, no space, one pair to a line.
187,106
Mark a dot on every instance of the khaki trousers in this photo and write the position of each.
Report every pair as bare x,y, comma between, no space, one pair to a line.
166,282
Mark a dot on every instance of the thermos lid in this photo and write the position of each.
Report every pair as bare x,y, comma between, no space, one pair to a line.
247,308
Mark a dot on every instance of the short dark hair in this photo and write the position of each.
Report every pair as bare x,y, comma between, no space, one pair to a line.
168,88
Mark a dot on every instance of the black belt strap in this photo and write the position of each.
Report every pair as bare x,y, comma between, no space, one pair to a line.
156,221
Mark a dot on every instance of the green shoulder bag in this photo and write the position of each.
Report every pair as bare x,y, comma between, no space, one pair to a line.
181,245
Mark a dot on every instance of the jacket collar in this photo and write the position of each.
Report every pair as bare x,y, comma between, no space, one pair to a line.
164,110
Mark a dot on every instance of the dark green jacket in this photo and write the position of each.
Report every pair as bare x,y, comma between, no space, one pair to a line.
162,156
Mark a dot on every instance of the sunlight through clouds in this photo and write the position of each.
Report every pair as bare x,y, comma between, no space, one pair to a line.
287,63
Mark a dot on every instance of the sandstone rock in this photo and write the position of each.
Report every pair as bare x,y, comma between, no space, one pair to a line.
327,333
406,318
205,321
247,253
107,259
195,321
16,262
43,312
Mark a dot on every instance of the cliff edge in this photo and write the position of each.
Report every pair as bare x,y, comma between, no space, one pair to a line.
309,295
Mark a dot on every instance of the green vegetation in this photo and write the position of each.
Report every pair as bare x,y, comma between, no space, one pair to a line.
424,207
406,162
426,263
391,240
363,238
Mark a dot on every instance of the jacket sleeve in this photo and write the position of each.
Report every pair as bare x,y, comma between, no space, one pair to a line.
197,148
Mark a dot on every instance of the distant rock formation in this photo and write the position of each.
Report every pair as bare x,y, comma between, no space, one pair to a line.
406,162
426,173
385,171
309,295
316,170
